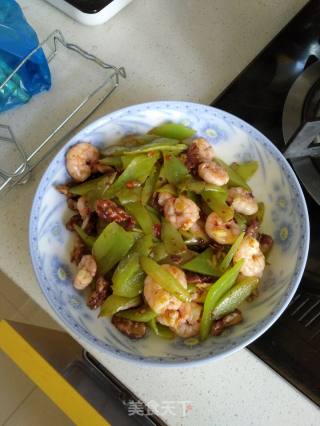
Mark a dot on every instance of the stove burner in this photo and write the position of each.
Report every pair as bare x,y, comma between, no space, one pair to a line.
302,105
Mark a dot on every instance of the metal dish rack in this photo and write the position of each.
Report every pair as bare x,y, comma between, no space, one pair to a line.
27,133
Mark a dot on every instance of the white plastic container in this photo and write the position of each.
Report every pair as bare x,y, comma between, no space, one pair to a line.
95,18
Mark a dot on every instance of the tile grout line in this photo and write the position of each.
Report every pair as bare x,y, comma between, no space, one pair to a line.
9,302
3,293
15,308
19,405
21,313
25,303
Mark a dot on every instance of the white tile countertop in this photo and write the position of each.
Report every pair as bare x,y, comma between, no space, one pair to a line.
177,50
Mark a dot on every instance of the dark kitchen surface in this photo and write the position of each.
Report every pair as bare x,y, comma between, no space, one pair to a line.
292,346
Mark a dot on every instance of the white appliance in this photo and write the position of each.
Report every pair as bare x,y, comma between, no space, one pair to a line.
90,12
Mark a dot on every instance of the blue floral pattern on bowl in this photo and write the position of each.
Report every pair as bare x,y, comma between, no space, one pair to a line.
286,219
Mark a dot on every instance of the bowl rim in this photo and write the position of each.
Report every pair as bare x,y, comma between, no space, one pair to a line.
165,362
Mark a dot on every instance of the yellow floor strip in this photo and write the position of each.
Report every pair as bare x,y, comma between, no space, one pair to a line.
48,379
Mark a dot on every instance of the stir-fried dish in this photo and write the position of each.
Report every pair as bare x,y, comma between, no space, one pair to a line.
167,235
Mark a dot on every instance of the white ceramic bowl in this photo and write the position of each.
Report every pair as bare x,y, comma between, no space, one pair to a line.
275,184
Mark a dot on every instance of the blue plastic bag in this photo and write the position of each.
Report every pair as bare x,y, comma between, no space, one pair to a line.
17,40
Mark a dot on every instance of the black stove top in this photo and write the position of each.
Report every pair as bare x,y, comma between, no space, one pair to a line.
258,96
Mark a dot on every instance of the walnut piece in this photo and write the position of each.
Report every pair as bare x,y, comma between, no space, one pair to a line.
132,329
233,318
64,190
228,320
78,251
217,328
266,243
109,211
74,220
99,295
194,278
253,228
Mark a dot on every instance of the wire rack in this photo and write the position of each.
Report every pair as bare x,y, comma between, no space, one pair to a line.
81,82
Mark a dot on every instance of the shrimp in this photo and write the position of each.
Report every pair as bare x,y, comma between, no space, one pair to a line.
221,232
80,160
159,299
182,318
181,212
185,322
86,272
212,172
84,211
254,261
163,197
201,150
242,201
